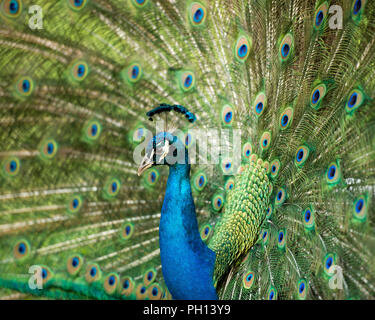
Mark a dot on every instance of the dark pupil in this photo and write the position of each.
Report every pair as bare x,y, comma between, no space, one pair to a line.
243,50
279,195
143,290
281,236
319,18
227,165
206,231
201,180
249,277
300,155
285,120
188,81
359,205
13,7
111,281
75,203
259,106
307,216
230,186
265,142
149,276
271,295
153,177
50,148
353,100
92,272
81,70
13,166
187,140
285,50
198,15
94,130
332,172
154,291
357,6
135,72
228,116
219,202
264,234
316,96
25,85
75,262
126,284
329,262
127,230
44,273
21,248
301,288
114,187
273,168
77,2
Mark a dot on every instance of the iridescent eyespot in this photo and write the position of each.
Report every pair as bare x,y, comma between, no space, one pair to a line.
139,3
265,140
206,231
320,15
360,208
264,236
199,181
149,277
227,115
272,293
286,47
46,274
281,239
127,230
24,87
247,150
155,292
302,155
242,48
355,100
333,173
197,14
229,184
275,168
152,177
12,8
48,149
280,198
112,187
92,131
77,4
187,81
21,249
358,6
269,211
141,292
302,288
111,282
11,166
217,202
248,280
74,204
317,96
260,104
226,166
286,118
139,134
93,272
329,263
127,286
134,73
189,140
308,218
80,70
74,264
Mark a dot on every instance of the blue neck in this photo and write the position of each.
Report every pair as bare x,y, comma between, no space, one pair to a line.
187,263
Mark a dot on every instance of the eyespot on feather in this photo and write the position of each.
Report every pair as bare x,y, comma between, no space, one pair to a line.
77,5
358,9
217,202
286,47
248,280
111,282
302,154
79,70
242,48
112,188
48,149
329,264
281,239
333,173
260,104
141,292
320,16
199,181
227,115
229,185
139,3
11,8
355,99
197,14
302,288
275,168
93,273
360,208
308,217
286,118
272,293
155,292
21,249
317,95
149,277
265,141
127,230
281,196
127,284
11,167
186,81
74,264
74,204
206,231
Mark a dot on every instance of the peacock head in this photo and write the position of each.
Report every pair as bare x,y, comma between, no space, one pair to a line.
163,149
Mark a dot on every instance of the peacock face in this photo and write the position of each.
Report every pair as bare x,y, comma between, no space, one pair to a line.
163,149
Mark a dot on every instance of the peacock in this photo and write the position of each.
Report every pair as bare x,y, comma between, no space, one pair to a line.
198,149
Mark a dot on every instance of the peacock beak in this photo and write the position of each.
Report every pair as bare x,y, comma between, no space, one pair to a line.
146,163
